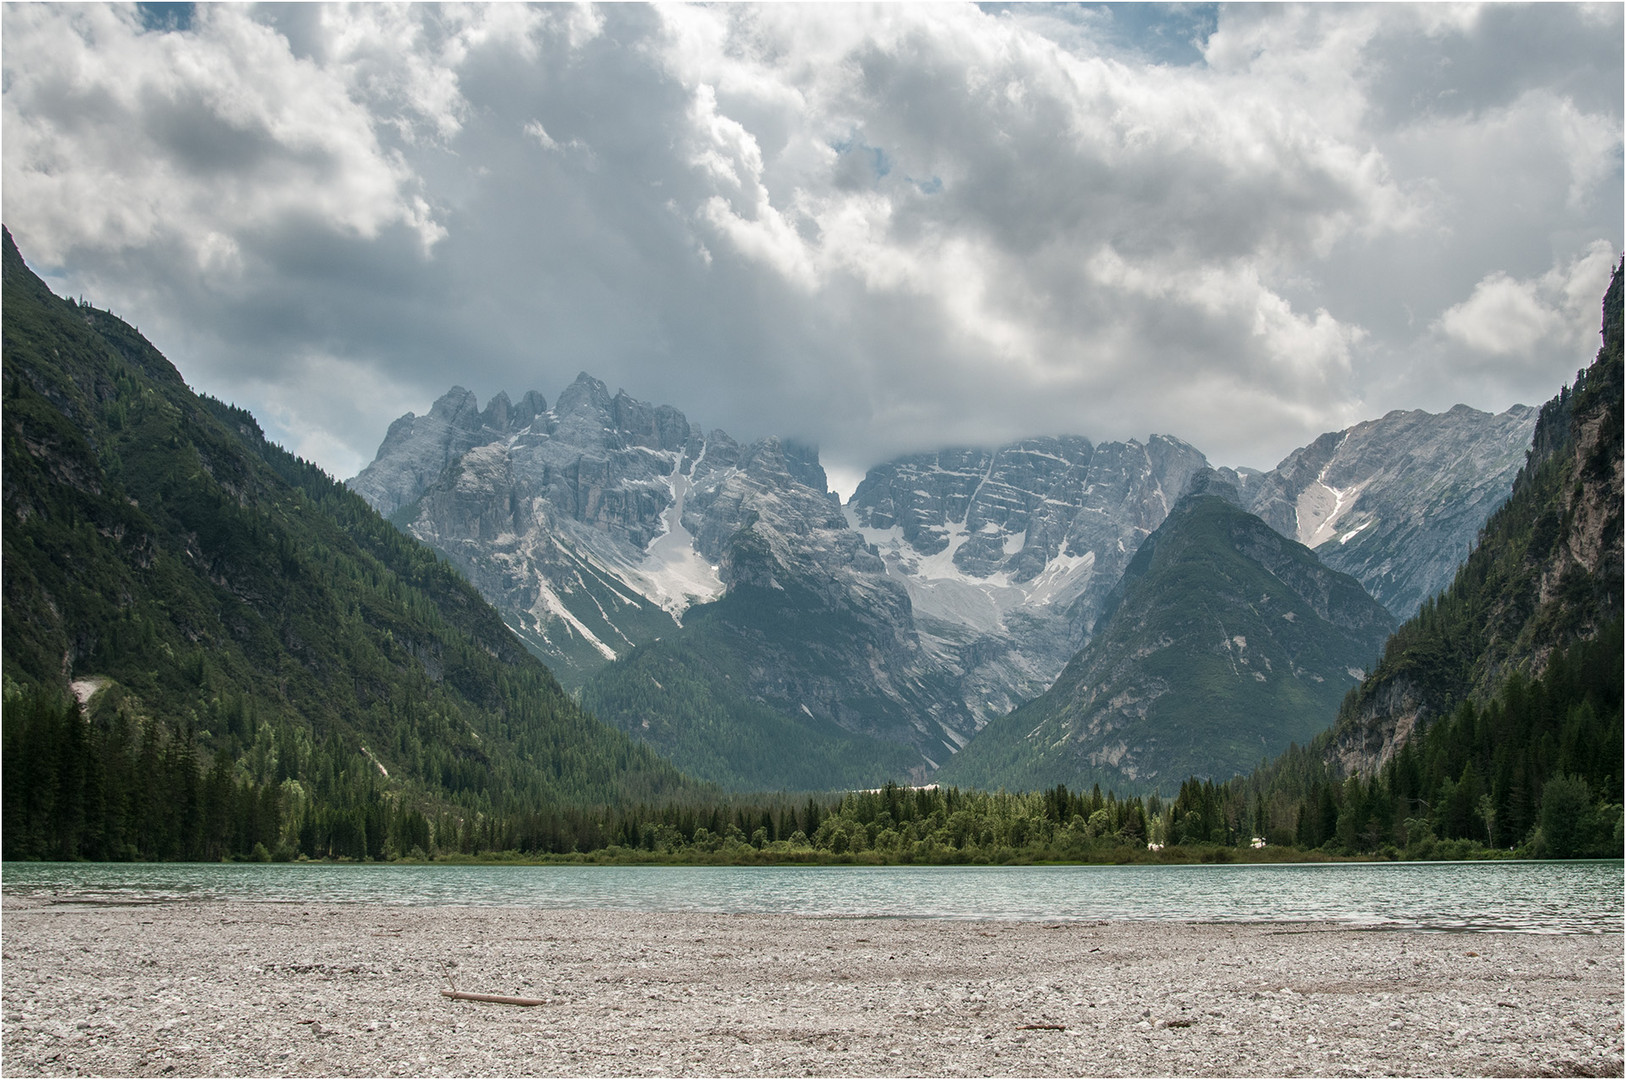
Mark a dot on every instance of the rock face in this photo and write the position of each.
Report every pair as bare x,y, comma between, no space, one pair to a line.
570,519
1397,502
1007,554
1547,572
808,671
417,449
1223,642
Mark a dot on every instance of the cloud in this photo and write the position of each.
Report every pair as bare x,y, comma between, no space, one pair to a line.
118,137
313,425
881,229
1507,317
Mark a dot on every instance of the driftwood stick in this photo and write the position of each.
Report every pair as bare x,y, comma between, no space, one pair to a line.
500,999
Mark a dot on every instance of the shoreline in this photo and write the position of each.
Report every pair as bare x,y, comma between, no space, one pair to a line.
225,988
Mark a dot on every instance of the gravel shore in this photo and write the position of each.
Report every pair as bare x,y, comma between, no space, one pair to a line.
226,989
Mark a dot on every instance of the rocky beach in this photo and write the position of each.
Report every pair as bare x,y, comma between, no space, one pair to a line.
231,988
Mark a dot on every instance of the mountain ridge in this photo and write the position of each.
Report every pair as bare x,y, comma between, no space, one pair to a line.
1222,644
259,651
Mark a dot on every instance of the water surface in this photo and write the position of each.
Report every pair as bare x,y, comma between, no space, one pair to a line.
1538,897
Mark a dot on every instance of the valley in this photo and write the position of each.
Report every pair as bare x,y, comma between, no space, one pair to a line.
1055,649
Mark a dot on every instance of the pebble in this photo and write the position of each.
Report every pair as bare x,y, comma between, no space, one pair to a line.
242,989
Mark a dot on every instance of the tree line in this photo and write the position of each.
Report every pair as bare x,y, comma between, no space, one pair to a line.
1535,772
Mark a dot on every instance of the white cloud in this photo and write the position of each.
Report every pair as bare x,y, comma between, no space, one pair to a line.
1509,317
536,131
116,137
313,426
881,228
1065,192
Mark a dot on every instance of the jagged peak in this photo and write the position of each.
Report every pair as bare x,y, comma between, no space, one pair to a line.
497,412
530,406
1157,439
586,394
453,402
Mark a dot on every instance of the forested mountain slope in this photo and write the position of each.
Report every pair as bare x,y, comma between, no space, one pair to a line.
1495,715
1546,573
266,660
1224,643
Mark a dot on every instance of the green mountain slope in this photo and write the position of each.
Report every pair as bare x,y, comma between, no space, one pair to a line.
266,659
1494,718
1224,643
1546,573
731,697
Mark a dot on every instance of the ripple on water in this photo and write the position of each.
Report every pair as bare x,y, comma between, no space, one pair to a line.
1523,897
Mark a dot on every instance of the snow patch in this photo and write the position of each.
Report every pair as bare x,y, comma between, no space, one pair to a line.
669,573
548,604
1321,506
1062,581
677,575
1356,531
940,589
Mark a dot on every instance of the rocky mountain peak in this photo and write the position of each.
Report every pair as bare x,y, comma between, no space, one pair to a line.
503,417
1396,501
585,394
802,462
584,413
416,449
457,407
497,412
785,462
658,427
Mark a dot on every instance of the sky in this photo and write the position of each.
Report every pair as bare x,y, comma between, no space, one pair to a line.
880,229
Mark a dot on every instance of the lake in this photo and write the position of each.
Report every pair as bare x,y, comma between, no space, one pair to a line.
1530,897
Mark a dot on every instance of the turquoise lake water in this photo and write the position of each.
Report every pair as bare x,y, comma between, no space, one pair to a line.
1531,897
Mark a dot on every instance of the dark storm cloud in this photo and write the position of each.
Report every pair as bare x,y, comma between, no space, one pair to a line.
880,229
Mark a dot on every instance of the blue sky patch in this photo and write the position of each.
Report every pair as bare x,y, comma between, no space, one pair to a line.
165,16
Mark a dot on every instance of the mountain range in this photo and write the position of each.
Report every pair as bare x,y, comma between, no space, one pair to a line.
620,541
